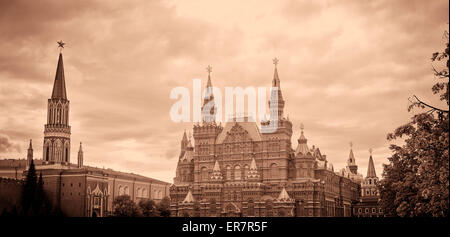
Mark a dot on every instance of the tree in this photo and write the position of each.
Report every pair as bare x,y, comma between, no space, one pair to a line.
29,190
164,207
123,206
416,180
148,208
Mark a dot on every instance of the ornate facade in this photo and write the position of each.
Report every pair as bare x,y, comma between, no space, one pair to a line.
241,170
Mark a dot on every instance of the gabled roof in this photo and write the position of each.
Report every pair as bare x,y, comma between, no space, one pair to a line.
250,127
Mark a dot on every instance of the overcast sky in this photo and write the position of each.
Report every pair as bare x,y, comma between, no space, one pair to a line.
346,71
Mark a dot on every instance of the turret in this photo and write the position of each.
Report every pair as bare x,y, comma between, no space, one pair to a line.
80,157
351,162
29,154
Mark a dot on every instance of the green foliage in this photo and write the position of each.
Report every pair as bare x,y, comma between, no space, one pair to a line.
148,208
164,207
416,180
123,206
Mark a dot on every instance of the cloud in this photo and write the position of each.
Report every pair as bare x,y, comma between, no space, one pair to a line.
346,69
7,146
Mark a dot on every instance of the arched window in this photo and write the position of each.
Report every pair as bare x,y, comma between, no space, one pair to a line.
144,192
138,192
228,172
212,207
120,190
67,154
246,169
204,174
273,171
47,153
237,172
251,208
126,191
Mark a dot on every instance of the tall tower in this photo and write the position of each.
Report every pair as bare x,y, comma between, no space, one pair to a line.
184,144
29,155
57,130
80,157
351,162
276,103
369,186
208,108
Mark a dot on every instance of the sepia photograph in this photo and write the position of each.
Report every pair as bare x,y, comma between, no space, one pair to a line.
224,117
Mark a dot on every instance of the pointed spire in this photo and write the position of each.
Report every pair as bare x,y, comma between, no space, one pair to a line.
184,136
59,86
30,154
302,143
253,172
80,156
189,198
371,169
208,113
284,196
216,166
276,79
351,157
217,174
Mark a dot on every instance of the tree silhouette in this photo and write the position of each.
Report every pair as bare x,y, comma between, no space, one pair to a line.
123,206
164,207
416,180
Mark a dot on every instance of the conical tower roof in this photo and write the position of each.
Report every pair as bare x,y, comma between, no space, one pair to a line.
371,169
189,198
216,174
302,143
59,86
284,196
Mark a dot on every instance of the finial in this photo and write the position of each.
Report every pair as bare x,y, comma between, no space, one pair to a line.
302,126
370,151
275,61
209,69
351,145
60,45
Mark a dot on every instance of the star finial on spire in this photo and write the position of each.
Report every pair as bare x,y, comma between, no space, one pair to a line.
60,45
275,61
351,145
370,151
209,69
302,126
